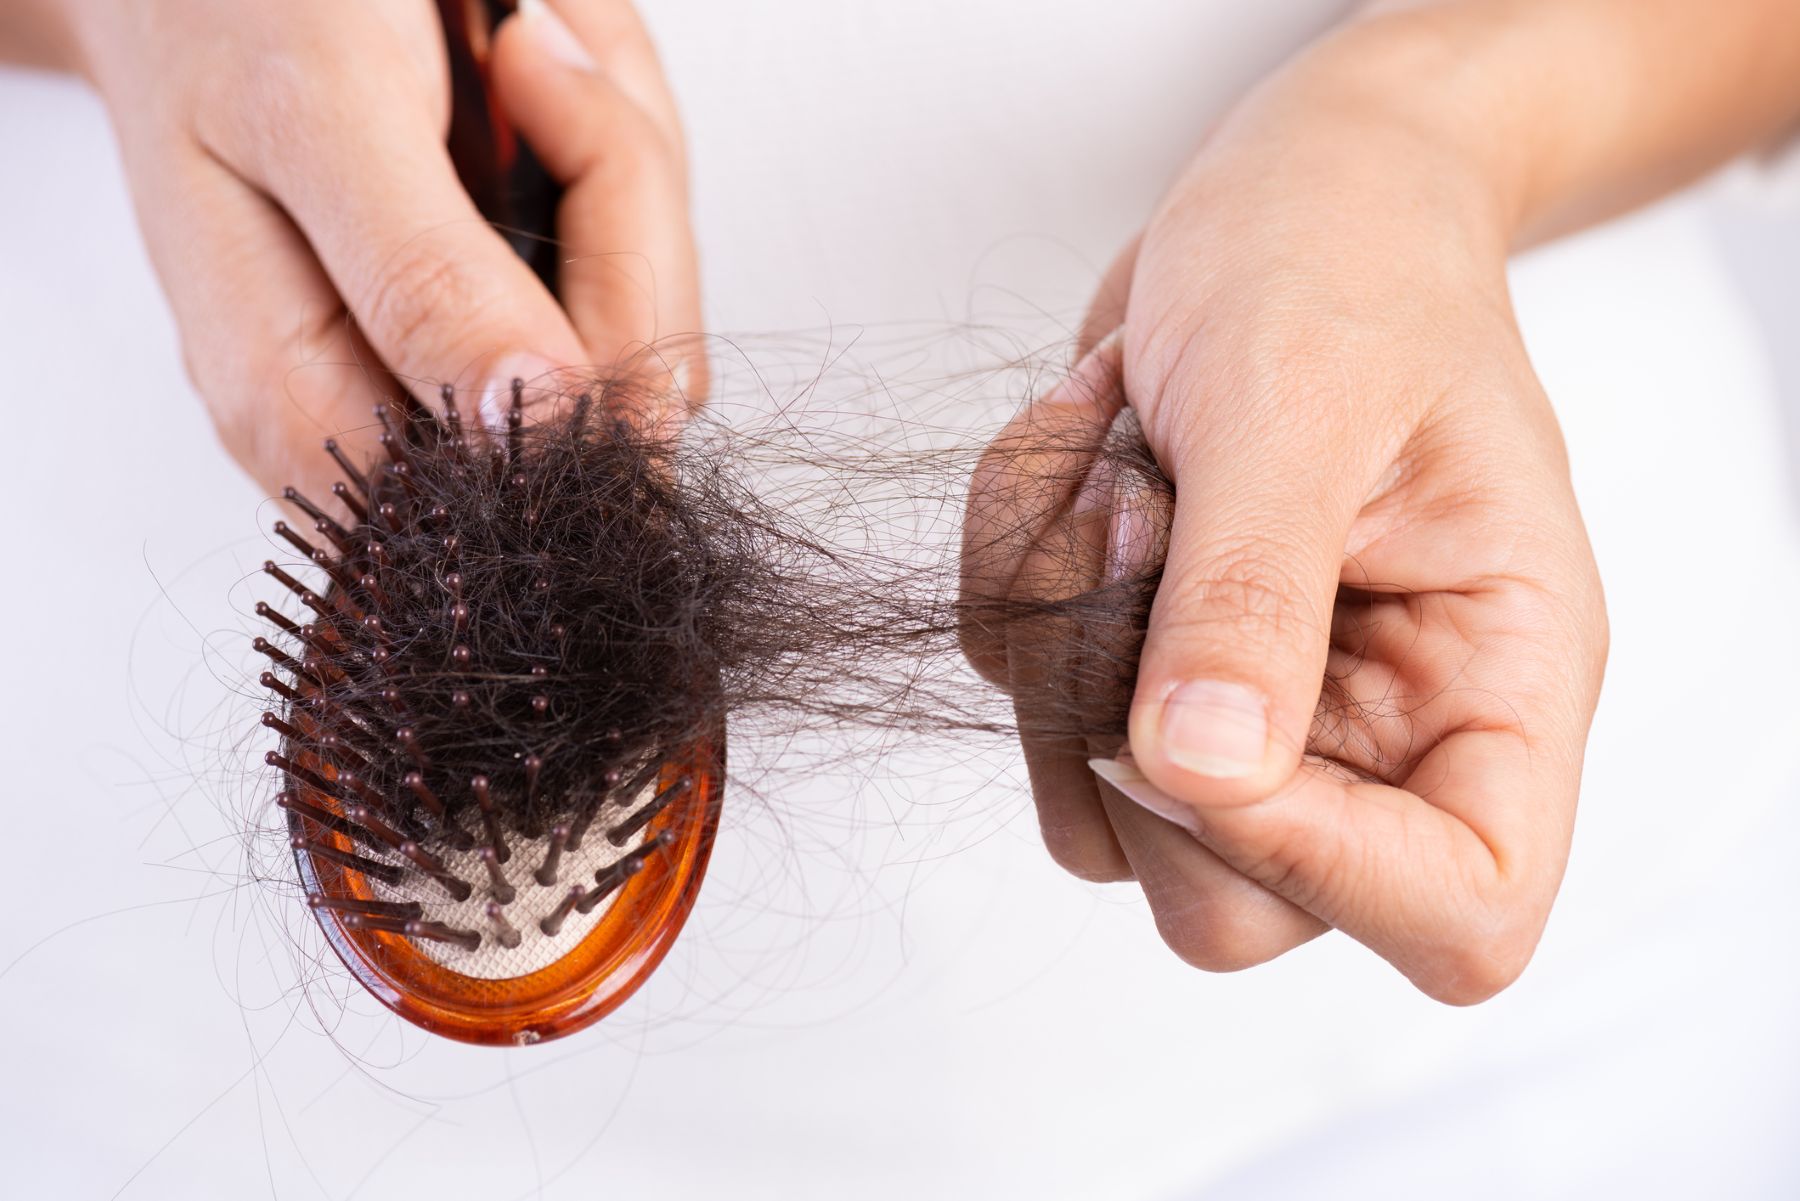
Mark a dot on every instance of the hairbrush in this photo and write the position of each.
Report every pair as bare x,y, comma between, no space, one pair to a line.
499,811
501,698
502,773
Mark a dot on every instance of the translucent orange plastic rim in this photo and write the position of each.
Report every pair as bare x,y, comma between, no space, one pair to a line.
592,980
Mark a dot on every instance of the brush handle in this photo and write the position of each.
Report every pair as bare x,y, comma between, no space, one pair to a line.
504,178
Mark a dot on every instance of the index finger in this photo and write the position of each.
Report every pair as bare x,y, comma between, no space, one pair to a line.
1450,877
437,292
1026,478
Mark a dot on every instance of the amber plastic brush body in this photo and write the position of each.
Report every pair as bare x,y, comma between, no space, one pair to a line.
483,862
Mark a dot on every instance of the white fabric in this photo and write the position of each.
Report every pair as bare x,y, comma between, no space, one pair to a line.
948,1016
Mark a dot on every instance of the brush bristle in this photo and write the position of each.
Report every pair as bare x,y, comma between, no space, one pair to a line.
500,659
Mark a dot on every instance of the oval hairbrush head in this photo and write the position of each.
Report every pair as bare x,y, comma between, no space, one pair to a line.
501,737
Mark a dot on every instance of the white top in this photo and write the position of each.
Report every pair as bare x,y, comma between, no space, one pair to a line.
948,1015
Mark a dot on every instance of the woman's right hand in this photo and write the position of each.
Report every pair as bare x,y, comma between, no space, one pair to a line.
291,179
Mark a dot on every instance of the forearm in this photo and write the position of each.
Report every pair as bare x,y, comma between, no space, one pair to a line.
38,33
1572,110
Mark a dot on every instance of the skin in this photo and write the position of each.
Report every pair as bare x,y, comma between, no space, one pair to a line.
288,166
1375,553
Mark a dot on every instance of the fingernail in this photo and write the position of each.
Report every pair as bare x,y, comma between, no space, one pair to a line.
554,37
1128,534
1129,540
1096,495
1213,728
1134,786
497,393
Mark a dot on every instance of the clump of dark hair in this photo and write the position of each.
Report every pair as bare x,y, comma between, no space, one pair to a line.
576,597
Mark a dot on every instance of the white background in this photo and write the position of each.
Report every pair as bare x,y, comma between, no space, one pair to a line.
891,992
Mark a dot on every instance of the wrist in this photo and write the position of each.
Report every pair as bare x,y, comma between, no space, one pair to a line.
1426,107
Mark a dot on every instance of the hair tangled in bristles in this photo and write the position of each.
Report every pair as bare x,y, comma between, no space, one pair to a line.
561,606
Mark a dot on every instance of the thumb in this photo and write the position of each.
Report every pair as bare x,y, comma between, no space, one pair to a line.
1235,654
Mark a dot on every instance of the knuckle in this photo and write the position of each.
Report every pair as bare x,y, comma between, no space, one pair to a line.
421,290
1311,868
1215,937
1309,878
1239,593
1476,968
1279,871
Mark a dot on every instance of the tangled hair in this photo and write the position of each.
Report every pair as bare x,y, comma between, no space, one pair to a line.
556,607
560,606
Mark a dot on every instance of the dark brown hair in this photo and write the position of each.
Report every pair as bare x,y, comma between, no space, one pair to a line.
561,605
